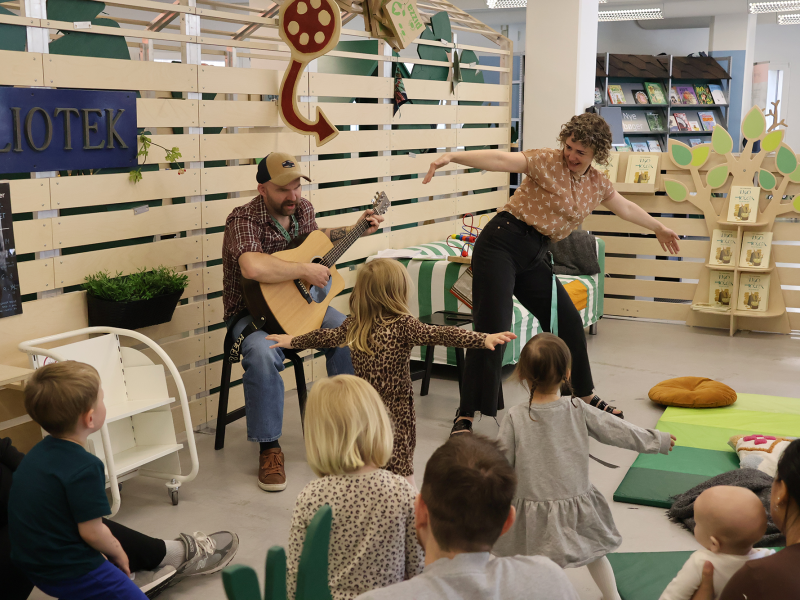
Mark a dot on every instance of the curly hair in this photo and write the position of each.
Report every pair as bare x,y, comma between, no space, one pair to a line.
590,130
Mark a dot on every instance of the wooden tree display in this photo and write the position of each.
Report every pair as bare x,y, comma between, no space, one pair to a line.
743,170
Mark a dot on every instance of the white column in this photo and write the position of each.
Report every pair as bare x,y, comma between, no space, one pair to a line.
734,35
560,57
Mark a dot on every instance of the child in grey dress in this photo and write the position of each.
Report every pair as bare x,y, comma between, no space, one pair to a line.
560,514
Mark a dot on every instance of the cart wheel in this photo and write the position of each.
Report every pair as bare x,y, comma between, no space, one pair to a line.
174,495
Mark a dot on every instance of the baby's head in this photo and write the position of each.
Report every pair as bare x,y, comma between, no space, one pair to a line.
544,364
729,520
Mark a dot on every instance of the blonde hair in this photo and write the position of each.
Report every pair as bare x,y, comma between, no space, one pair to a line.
57,394
380,295
346,426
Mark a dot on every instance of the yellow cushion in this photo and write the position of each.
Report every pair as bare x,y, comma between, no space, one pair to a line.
692,392
577,293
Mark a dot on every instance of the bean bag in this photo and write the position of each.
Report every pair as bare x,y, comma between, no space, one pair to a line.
692,392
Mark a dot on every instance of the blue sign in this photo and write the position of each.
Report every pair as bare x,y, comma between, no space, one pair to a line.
55,130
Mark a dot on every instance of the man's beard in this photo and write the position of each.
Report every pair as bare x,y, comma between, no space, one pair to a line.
279,207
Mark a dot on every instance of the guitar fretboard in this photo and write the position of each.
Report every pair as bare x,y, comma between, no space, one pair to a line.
341,247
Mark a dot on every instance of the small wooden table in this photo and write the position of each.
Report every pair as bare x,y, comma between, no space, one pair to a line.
10,375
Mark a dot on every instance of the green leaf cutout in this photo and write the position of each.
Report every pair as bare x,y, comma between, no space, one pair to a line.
786,161
754,124
766,179
721,140
772,140
795,176
681,153
700,154
676,190
716,177
796,203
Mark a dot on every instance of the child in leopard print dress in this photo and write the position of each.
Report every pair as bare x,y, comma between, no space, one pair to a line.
373,539
381,333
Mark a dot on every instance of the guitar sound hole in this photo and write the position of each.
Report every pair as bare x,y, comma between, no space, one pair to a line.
319,294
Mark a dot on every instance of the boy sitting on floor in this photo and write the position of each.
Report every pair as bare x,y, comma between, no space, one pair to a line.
58,498
464,507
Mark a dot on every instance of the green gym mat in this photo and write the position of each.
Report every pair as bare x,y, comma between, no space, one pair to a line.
702,450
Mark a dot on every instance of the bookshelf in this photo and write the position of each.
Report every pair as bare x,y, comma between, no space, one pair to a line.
693,71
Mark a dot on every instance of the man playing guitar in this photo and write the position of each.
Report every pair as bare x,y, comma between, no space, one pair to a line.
253,232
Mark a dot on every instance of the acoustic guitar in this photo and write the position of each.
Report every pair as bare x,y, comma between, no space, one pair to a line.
296,307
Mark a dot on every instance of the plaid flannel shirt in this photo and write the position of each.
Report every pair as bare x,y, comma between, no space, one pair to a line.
249,228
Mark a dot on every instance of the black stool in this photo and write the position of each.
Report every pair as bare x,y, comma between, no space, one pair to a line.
224,417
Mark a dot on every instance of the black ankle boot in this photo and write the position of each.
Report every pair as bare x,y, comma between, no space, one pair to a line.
460,425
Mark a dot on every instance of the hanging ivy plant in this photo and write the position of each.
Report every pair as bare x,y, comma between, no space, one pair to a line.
171,156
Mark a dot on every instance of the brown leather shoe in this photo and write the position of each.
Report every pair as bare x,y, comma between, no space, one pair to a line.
271,474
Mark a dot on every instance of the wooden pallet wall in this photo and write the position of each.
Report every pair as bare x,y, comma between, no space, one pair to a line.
85,230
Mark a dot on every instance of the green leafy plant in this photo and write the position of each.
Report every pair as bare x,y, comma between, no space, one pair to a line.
141,285
171,156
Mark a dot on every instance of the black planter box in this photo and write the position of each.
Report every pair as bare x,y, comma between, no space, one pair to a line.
132,315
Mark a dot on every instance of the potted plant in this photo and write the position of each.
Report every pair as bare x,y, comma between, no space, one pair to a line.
134,301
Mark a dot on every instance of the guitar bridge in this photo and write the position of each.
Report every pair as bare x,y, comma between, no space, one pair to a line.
303,291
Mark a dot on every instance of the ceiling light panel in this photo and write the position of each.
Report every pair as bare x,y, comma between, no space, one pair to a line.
633,14
789,19
506,3
772,7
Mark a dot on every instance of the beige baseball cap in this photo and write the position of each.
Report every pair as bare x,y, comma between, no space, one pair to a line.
280,168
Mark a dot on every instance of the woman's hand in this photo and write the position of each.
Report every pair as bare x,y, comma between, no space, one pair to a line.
495,339
668,240
706,589
443,160
284,341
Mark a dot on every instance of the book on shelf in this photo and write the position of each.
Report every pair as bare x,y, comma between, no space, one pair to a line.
686,94
695,142
743,204
717,94
755,249
723,248
609,170
707,120
694,126
753,292
640,147
642,168
655,120
654,146
673,96
634,121
655,92
682,120
628,145
640,97
720,290
703,94
616,95
598,96
673,123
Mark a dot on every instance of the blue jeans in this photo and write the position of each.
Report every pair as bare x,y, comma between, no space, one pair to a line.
263,385
106,582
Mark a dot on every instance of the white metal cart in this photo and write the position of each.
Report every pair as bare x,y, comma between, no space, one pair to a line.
138,437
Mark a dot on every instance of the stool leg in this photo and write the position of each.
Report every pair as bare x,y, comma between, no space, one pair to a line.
426,378
222,409
459,366
593,328
302,391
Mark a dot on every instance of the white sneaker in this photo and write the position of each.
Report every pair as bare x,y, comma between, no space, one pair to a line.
153,583
206,554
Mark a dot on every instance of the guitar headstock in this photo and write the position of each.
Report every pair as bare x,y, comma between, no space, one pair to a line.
380,203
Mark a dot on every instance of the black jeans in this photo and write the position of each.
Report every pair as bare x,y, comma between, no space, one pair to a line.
144,554
504,264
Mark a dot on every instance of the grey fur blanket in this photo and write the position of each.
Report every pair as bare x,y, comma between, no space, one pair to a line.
682,511
576,254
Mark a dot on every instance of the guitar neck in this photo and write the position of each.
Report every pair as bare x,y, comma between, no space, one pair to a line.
342,246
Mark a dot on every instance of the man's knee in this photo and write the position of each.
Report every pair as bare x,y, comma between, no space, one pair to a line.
256,352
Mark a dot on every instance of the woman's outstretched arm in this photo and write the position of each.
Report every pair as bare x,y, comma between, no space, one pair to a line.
488,160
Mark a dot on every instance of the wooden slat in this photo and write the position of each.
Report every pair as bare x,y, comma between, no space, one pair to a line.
215,213
194,381
423,114
110,74
366,246
251,145
654,268
33,236
662,204
97,228
212,246
214,343
346,196
182,352
476,181
161,112
429,90
186,317
189,146
229,80
613,224
212,279
348,169
484,136
651,247
222,113
327,84
414,139
673,290
29,195
21,68
403,164
40,318
792,298
353,113
482,114
213,312
794,321
73,268
789,276
354,141
119,32
36,276
486,92
413,188
194,285
784,231
642,309
115,188
221,180
422,211
472,203
425,233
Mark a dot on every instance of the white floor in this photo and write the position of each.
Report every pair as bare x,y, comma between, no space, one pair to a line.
628,358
